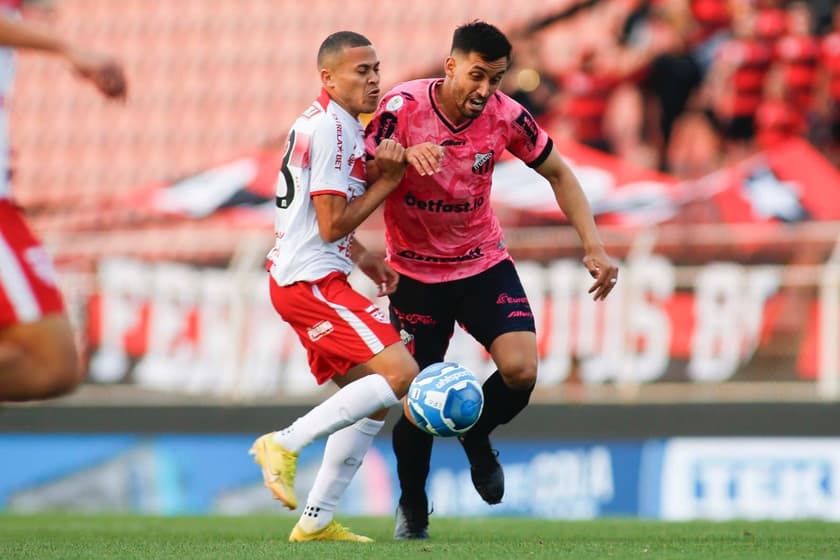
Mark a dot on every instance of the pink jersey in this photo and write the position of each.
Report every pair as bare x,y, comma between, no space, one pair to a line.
442,227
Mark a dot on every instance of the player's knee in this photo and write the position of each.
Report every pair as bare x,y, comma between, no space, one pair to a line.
398,367
521,376
406,375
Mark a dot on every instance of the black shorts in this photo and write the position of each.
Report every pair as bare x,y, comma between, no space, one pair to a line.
486,305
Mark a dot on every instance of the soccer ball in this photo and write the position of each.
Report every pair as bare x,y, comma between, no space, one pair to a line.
445,400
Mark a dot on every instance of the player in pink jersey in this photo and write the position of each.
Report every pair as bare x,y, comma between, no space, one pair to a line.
321,199
38,358
445,241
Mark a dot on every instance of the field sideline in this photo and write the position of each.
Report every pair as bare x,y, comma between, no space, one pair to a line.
66,536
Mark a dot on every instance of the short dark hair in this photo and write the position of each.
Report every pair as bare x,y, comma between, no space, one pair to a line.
482,38
338,41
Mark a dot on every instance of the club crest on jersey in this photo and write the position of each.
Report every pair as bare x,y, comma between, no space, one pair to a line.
377,314
483,163
395,103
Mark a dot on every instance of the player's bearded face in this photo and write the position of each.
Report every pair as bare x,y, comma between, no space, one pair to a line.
475,80
353,81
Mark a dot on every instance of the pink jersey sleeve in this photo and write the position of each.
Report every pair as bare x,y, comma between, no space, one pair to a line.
526,140
385,124
326,156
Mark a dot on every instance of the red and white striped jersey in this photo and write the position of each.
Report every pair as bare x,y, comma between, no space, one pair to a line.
324,155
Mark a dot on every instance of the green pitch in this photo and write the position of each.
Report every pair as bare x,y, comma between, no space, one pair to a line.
66,537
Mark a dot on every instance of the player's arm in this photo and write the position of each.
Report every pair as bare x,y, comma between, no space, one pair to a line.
375,267
337,217
425,158
573,203
103,71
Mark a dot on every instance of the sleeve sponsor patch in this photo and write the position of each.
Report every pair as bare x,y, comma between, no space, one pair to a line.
526,126
385,127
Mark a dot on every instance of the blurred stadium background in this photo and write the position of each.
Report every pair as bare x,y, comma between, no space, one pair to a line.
704,132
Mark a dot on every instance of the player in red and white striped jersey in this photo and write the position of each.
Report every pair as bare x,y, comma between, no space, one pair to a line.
38,356
321,198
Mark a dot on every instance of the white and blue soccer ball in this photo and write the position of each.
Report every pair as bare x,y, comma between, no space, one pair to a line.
445,399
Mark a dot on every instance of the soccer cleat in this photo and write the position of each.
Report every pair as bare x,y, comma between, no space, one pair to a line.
486,472
278,468
412,523
333,531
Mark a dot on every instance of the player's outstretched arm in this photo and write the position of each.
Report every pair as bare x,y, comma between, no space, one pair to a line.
101,70
337,217
573,203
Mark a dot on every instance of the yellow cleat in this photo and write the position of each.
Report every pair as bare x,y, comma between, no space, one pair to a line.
278,468
334,531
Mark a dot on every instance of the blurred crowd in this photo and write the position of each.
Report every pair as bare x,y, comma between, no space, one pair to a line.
684,86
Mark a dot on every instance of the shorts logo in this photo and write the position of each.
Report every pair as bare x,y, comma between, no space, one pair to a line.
483,163
377,314
504,298
395,103
514,314
319,330
413,319
408,340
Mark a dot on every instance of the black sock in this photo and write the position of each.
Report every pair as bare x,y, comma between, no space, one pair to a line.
413,449
501,405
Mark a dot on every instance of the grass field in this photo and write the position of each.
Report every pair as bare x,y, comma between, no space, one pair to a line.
44,537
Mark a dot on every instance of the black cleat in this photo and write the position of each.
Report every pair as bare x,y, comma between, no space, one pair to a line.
486,472
412,523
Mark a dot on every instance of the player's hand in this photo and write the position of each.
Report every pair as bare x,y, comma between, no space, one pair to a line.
604,270
103,71
380,272
425,157
390,159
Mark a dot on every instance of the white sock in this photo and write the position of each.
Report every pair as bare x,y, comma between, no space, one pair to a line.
351,403
343,456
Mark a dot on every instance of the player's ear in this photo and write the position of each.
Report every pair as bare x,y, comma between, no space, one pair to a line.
449,66
326,77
